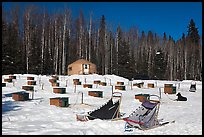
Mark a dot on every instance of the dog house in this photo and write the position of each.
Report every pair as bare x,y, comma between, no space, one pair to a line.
87,85
59,90
3,84
139,85
60,101
8,80
96,93
76,82
30,78
150,85
96,81
120,87
120,83
81,67
31,82
12,77
20,96
52,80
169,88
103,83
55,84
142,97
28,88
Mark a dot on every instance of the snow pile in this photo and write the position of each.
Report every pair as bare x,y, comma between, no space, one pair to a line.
38,117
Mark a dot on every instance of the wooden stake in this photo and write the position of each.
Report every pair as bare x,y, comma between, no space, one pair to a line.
160,93
82,98
75,88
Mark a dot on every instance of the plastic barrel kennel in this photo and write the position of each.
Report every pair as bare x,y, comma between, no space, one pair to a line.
192,88
95,93
59,90
60,101
142,97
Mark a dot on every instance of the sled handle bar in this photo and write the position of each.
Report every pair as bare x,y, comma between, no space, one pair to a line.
154,100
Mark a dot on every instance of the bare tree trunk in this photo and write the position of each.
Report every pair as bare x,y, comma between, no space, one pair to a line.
63,46
56,48
80,41
185,64
27,38
90,27
106,53
42,44
116,52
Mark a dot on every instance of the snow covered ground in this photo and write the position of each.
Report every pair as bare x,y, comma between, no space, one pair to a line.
38,117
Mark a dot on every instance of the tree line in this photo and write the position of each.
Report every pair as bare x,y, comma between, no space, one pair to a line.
36,41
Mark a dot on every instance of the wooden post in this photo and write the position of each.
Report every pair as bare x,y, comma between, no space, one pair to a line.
119,107
85,80
82,98
32,94
131,84
39,80
74,88
13,82
42,85
179,85
66,82
160,93
112,90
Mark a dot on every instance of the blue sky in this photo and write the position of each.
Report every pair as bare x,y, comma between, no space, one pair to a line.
159,17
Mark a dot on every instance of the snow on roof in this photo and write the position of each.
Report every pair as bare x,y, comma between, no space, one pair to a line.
81,61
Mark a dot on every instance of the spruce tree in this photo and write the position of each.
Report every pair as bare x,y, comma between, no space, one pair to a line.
159,67
193,32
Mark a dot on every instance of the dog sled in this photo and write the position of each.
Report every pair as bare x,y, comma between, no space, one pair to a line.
146,116
110,110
